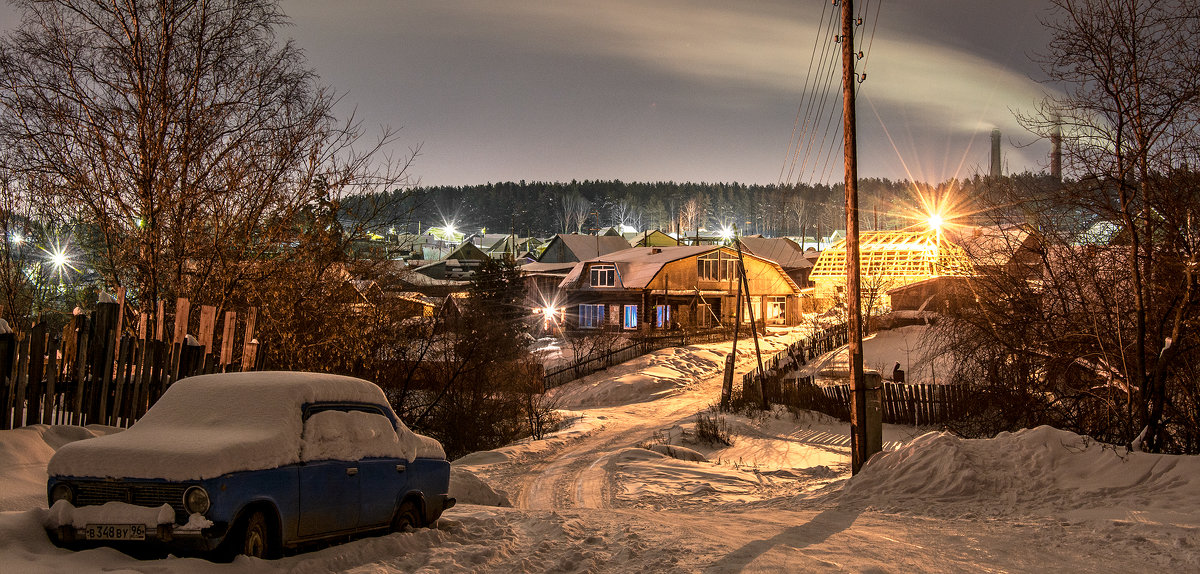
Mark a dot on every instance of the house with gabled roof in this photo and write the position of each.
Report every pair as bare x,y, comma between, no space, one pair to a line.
570,248
653,238
666,287
785,252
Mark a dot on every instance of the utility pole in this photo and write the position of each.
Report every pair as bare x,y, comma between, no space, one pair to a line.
858,411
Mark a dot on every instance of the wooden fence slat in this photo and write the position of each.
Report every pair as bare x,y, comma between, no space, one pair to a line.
208,324
51,394
248,352
81,349
18,410
8,346
227,339
37,369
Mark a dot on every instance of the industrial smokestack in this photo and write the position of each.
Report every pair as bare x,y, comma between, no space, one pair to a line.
1056,150
996,152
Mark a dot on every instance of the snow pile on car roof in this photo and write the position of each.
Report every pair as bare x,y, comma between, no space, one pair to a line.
1040,470
210,425
338,435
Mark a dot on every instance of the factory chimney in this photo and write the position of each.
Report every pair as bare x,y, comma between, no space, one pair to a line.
995,152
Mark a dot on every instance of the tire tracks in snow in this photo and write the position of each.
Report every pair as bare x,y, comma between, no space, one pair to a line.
579,476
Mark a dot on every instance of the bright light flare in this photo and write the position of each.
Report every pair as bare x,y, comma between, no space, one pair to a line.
58,255
935,221
726,233
59,260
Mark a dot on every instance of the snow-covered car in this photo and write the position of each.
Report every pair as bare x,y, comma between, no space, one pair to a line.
249,463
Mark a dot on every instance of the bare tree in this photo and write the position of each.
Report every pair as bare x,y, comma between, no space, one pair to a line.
191,145
579,211
1130,115
690,214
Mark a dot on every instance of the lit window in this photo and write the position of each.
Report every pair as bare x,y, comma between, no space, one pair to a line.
775,310
591,316
631,317
662,316
604,276
716,266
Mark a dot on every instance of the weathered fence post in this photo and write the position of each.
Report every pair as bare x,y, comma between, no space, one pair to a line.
227,340
104,344
249,344
37,365
82,334
51,394
182,307
21,380
8,351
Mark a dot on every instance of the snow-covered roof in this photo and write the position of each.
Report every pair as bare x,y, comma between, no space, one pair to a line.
781,250
585,247
536,267
637,266
210,425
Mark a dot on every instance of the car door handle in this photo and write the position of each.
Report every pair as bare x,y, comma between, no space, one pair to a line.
351,471
400,468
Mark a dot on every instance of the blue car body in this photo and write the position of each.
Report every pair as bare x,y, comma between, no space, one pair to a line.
303,501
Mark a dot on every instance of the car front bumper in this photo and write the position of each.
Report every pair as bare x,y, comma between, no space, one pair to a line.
165,536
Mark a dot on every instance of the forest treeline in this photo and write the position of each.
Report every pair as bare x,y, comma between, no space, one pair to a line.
543,208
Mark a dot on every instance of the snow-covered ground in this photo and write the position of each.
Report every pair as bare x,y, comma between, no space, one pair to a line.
779,498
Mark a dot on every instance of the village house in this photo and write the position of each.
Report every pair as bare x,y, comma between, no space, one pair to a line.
785,252
664,287
572,248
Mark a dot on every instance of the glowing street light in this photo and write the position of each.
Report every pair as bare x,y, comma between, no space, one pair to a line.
59,260
935,221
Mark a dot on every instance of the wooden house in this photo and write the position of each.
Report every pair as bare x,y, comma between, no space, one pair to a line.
653,238
665,287
783,251
570,248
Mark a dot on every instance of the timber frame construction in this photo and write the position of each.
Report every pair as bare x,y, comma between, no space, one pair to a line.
899,257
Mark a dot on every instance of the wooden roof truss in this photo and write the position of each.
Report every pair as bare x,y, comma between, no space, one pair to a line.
896,254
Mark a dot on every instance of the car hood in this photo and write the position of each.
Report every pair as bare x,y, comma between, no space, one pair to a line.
186,454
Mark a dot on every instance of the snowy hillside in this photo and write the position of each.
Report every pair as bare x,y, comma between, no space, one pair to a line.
628,487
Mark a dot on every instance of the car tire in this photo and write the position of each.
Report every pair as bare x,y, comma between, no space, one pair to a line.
407,517
253,537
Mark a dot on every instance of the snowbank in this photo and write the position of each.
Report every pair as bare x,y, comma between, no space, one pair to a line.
24,453
211,425
645,378
467,488
1034,471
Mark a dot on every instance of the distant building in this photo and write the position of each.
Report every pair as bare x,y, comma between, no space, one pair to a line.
660,287
570,248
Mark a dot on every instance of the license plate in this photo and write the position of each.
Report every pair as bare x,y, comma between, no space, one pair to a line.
115,532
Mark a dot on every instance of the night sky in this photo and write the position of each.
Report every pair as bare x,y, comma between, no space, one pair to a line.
656,90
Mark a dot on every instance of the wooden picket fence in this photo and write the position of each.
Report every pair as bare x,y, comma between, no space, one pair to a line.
97,370
795,356
906,404
909,404
637,347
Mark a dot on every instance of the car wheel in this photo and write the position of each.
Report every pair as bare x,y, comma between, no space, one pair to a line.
407,517
252,537
256,541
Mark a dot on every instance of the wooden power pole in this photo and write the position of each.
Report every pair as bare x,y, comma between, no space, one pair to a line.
858,410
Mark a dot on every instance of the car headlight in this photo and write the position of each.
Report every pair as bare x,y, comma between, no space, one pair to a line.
62,491
195,500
